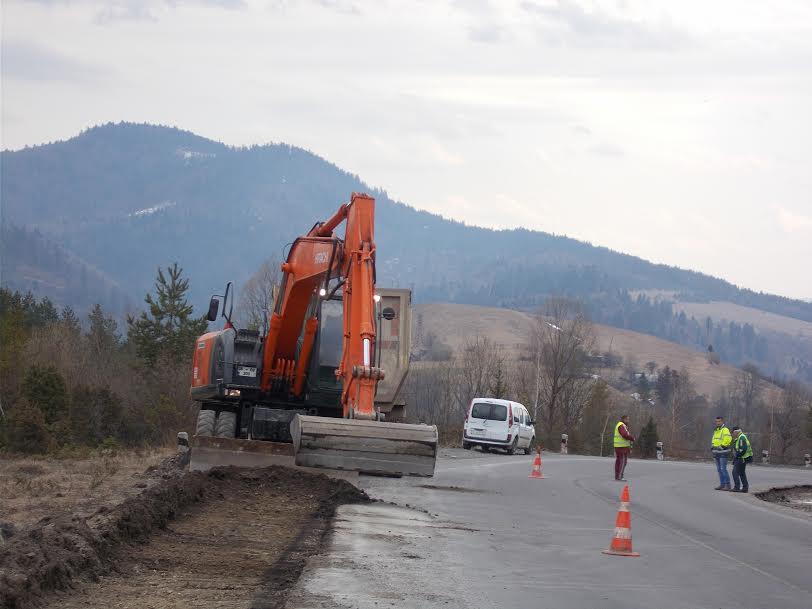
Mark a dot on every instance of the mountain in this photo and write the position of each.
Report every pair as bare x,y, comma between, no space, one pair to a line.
127,198
32,263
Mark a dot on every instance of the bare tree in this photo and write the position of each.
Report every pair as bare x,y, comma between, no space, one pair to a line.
475,364
745,391
683,394
563,336
258,294
788,419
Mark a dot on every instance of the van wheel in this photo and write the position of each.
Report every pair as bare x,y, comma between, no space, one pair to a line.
512,449
531,447
466,445
485,449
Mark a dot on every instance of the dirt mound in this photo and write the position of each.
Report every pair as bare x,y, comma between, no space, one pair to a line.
796,497
55,553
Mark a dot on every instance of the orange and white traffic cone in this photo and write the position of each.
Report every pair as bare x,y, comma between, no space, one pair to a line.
622,538
536,473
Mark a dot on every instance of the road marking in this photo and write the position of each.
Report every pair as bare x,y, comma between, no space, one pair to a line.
702,544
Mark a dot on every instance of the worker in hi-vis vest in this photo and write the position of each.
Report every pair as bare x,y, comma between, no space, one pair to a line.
720,447
623,446
742,455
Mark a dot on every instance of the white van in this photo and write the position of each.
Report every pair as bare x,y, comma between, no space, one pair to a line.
492,423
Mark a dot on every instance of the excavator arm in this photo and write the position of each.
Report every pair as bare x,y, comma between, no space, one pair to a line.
359,441
314,260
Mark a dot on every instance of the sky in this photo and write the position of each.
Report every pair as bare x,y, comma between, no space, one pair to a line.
680,132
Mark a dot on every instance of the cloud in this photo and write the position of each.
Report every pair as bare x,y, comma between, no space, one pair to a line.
607,150
340,6
597,28
114,11
792,222
488,33
28,61
126,10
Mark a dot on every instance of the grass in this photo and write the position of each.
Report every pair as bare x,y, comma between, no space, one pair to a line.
452,324
32,488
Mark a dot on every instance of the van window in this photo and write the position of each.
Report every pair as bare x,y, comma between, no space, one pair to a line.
490,412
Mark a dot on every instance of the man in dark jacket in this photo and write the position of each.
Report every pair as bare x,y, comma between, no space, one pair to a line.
742,455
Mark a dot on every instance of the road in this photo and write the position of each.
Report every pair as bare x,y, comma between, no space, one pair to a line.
481,534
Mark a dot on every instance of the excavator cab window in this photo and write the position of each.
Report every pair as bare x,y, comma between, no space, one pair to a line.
330,342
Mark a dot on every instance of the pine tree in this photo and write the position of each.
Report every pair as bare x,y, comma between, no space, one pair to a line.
70,321
648,439
45,389
102,334
168,329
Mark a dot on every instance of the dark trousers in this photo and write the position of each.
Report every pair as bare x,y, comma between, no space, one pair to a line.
621,457
739,475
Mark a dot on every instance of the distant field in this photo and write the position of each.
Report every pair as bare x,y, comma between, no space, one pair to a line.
452,324
33,488
719,310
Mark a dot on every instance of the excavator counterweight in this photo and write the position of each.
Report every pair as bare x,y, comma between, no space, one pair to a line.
324,381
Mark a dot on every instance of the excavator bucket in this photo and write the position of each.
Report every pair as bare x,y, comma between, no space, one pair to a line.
370,447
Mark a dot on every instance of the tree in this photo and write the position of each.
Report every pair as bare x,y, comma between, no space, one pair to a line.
258,294
665,385
562,338
70,321
168,329
643,386
102,335
647,442
26,430
45,389
651,366
475,365
682,396
809,421
787,420
97,414
499,385
594,425
745,392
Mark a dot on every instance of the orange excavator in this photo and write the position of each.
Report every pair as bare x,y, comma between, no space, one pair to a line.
307,387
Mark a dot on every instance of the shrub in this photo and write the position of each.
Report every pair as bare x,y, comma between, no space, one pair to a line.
26,429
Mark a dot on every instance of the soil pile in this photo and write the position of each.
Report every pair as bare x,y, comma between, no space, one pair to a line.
797,497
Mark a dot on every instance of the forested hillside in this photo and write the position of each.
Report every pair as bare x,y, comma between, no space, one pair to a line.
127,198
32,263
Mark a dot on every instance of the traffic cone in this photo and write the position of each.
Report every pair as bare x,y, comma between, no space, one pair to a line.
536,473
622,539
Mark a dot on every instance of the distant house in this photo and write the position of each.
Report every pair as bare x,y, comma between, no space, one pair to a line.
651,377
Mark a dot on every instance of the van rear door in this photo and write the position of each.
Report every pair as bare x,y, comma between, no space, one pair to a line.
488,421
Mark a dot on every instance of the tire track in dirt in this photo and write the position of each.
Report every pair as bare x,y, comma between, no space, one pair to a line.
225,538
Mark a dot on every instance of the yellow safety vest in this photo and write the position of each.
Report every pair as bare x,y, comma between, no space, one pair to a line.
620,441
743,440
721,437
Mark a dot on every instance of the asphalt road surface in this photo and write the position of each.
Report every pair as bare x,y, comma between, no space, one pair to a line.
482,534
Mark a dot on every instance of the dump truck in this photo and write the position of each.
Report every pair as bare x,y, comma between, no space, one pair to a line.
321,385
